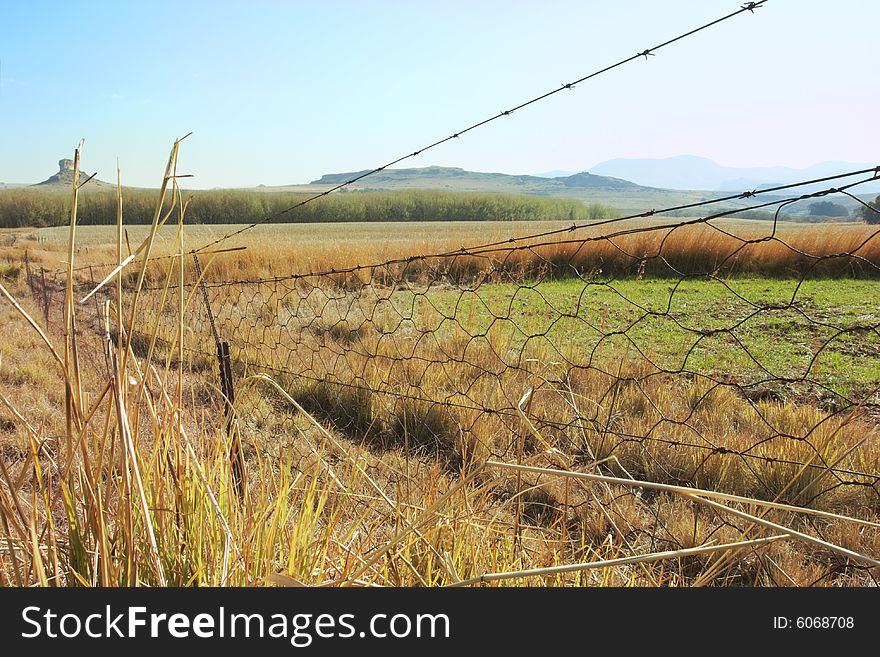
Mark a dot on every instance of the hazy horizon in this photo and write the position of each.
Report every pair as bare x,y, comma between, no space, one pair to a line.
282,93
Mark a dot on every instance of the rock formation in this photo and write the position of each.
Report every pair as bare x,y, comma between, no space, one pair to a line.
64,175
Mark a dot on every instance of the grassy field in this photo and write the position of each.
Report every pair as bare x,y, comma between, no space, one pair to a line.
381,413
373,235
270,250
665,322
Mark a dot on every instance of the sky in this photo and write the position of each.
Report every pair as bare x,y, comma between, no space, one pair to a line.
282,92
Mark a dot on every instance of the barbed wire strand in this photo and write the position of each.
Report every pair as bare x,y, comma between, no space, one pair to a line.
511,243
747,7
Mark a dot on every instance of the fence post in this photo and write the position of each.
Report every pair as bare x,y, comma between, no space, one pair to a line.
236,458
45,294
27,273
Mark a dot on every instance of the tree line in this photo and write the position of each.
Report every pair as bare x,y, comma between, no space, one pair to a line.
38,208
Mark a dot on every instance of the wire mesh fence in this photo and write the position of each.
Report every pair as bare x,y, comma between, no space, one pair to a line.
657,353
655,349
707,353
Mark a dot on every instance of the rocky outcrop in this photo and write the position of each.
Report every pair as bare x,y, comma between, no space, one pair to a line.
64,175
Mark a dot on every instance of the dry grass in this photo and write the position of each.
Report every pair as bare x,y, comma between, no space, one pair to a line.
116,469
727,246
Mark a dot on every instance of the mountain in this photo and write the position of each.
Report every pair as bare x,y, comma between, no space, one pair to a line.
692,172
64,177
625,196
435,177
690,180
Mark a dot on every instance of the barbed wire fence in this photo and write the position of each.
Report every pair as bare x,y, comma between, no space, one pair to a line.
650,349
748,7
642,347
489,323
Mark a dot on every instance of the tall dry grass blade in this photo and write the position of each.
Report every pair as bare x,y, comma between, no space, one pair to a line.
861,558
127,530
19,518
128,443
119,259
612,563
115,272
181,323
401,533
147,245
340,447
670,488
212,499
73,392
699,495
36,552
279,579
13,557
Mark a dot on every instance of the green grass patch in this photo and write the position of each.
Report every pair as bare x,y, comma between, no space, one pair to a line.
750,330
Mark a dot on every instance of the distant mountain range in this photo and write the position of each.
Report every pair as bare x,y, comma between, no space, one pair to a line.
628,176
587,187
460,180
691,172
628,185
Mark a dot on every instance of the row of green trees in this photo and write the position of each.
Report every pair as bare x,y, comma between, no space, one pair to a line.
871,212
36,208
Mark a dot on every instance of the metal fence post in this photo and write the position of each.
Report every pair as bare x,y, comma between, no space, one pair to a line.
236,458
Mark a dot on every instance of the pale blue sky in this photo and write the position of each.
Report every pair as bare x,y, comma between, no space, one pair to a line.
282,92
